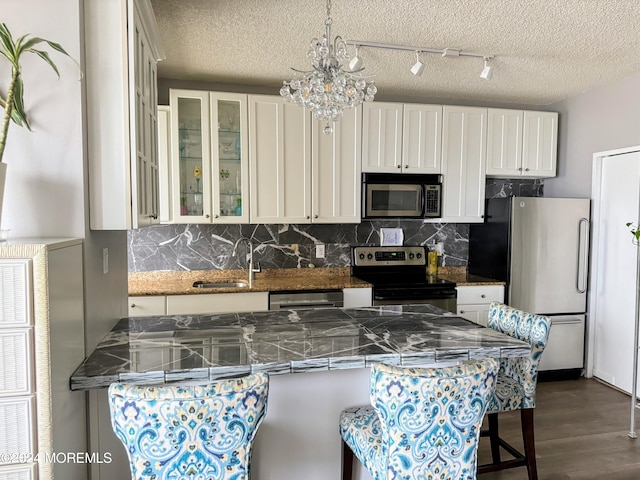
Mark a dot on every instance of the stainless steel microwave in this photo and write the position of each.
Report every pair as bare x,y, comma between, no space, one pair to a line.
393,195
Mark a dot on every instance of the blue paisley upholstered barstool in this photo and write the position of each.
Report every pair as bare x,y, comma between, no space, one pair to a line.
423,422
189,432
516,386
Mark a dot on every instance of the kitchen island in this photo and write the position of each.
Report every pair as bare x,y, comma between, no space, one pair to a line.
317,359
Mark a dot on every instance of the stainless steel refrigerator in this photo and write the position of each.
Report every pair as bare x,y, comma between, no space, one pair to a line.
539,247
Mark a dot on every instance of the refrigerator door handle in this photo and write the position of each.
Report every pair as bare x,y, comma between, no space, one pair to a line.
583,238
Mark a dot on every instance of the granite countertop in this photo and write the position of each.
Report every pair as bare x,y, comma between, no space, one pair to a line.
156,350
181,282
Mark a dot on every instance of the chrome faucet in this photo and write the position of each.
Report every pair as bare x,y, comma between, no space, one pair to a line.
250,266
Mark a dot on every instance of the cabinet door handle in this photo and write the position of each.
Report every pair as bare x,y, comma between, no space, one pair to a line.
461,311
526,169
308,217
483,296
133,305
154,216
406,166
399,166
216,216
520,169
315,216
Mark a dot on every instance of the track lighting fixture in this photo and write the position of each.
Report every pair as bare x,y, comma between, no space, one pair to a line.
418,67
487,71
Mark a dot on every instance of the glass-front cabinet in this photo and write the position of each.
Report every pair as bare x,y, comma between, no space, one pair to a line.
191,157
230,158
209,160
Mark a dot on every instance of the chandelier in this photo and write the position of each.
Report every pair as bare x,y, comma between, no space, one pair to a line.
328,89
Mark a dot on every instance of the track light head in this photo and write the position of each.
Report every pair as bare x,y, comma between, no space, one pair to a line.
418,67
487,71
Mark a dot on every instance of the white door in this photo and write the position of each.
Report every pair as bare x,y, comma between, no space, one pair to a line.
280,161
336,164
613,275
464,134
382,137
539,144
422,138
504,142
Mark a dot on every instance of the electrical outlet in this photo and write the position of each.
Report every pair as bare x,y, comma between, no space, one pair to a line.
320,250
105,261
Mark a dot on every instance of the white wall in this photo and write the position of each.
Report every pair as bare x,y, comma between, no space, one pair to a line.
46,190
605,118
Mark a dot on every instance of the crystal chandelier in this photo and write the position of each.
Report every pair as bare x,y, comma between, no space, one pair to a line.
328,89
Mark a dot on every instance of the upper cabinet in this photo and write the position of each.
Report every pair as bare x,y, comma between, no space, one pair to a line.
124,42
464,134
299,174
401,138
521,143
209,157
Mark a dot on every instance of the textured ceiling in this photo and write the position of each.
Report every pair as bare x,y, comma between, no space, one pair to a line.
546,50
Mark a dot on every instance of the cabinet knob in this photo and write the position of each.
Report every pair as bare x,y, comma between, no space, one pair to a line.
520,169
406,166
154,216
315,216
483,296
308,217
399,166
461,311
216,216
133,305
526,169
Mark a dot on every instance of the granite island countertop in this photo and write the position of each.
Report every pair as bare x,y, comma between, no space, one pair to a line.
156,350
285,279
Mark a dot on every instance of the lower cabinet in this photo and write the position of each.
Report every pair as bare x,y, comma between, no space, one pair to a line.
217,303
145,305
474,301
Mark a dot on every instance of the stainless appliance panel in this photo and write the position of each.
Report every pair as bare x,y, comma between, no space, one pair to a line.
448,304
565,348
549,248
305,299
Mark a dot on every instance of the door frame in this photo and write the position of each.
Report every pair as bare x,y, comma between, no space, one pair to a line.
596,178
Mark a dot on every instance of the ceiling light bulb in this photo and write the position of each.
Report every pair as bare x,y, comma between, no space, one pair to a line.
356,62
487,71
418,67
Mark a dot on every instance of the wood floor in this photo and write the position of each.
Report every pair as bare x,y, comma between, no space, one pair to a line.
581,429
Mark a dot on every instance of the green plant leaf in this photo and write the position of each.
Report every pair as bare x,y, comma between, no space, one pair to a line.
15,116
18,103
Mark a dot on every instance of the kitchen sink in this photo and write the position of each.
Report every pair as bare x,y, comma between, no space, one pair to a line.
225,284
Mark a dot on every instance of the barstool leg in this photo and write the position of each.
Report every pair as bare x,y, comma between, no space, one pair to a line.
347,462
526,417
494,437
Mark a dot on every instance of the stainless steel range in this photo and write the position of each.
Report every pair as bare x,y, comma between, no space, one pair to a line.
398,276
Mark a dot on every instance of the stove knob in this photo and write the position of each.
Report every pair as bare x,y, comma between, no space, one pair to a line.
419,255
411,255
361,256
369,256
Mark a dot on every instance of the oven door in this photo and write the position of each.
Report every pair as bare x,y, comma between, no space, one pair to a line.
393,200
445,298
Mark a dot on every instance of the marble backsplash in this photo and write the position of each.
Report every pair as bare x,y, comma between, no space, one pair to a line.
207,247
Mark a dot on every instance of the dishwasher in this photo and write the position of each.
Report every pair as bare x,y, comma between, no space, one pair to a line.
298,299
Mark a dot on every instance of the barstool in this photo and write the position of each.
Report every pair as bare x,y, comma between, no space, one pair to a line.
180,431
423,422
516,386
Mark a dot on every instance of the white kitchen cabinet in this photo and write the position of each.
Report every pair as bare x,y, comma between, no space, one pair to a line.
191,168
382,137
121,74
217,303
280,161
402,138
42,339
145,305
521,143
209,167
336,170
474,300
229,157
464,134
357,297
298,174
540,144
